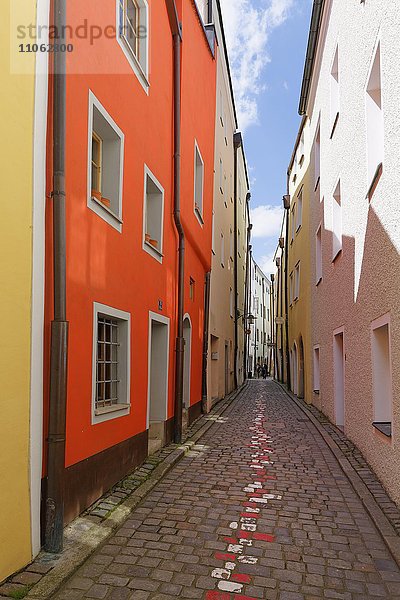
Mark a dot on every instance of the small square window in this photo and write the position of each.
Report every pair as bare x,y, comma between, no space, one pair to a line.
153,215
198,183
105,164
111,363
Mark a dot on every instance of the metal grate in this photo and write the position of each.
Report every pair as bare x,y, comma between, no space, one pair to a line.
107,381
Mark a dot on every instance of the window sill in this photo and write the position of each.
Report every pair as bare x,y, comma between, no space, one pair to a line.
375,181
111,409
317,183
336,256
301,160
298,229
335,122
318,281
384,428
152,250
105,213
199,216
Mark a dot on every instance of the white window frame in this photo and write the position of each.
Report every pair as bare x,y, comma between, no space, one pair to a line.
384,321
293,222
221,176
299,211
222,250
374,117
317,369
291,288
156,253
318,255
335,90
139,67
123,408
337,221
113,219
231,306
296,282
198,209
213,233
317,157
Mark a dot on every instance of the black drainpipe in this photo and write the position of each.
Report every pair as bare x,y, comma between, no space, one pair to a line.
54,509
237,142
204,404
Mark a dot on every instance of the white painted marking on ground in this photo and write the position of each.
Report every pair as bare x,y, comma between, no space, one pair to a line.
229,586
221,574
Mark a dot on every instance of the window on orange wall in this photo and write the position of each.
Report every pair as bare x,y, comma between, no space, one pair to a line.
198,183
133,34
191,288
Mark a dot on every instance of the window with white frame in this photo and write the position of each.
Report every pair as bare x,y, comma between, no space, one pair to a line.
221,176
318,255
334,90
222,250
297,281
231,246
198,183
105,164
316,369
231,307
317,156
213,233
374,112
153,215
299,214
337,233
291,288
133,32
293,222
382,375
202,6
301,149
111,363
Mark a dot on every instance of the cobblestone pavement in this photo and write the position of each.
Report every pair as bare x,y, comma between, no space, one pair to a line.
259,509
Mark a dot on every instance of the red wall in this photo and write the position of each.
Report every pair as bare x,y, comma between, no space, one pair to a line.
112,268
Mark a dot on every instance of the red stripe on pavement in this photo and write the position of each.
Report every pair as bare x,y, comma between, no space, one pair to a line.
225,556
218,596
240,578
250,515
230,540
265,537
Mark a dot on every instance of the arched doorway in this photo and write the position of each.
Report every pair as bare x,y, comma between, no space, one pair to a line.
187,335
300,377
294,369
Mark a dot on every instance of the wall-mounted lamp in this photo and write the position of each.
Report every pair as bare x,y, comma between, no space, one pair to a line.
281,242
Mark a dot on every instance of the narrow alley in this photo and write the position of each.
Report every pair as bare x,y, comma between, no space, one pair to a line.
259,508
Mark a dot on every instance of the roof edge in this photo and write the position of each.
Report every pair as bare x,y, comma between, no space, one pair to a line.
312,45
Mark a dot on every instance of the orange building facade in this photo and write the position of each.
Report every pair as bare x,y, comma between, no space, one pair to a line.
121,239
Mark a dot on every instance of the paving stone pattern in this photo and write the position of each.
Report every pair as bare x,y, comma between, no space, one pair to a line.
259,509
359,464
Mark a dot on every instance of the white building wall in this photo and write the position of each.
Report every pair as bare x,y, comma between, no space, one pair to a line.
362,283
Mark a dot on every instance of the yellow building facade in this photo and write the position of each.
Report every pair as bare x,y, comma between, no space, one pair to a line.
23,106
299,269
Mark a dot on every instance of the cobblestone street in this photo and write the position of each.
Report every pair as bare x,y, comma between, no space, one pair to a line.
258,509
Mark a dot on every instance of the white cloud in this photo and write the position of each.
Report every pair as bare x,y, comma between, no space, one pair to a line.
247,29
267,264
267,221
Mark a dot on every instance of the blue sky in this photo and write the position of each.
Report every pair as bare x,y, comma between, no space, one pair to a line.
267,42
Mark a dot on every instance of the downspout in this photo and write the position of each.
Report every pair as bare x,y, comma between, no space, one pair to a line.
54,509
176,30
286,205
237,142
246,305
204,404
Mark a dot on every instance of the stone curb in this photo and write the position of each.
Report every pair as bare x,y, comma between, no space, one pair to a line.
95,535
382,523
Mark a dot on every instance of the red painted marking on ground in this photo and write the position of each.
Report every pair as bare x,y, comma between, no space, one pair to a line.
218,596
240,578
245,598
225,556
250,504
250,515
265,537
245,535
230,540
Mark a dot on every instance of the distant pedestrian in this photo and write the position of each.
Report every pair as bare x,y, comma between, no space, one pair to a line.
259,370
264,371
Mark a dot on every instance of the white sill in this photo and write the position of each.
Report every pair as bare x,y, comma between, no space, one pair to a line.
105,213
154,252
110,409
199,216
335,122
298,229
335,256
318,281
